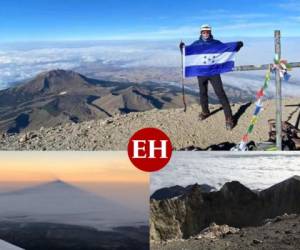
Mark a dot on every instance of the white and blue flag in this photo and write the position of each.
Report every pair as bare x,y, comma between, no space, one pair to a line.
209,60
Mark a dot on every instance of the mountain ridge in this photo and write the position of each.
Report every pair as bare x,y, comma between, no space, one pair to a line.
59,96
184,129
234,204
55,184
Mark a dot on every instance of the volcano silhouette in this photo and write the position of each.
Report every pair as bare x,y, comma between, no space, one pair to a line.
58,201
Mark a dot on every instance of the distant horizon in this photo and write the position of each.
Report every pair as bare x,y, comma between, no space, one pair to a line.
130,194
215,169
99,58
108,174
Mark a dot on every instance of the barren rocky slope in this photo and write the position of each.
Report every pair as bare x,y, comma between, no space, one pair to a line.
277,234
234,204
58,96
234,217
184,129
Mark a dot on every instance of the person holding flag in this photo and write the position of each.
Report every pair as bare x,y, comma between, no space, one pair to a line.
206,59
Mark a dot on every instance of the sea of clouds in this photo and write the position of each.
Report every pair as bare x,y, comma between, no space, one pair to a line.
19,61
256,170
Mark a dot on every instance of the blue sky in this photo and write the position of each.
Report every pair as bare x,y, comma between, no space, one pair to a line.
36,20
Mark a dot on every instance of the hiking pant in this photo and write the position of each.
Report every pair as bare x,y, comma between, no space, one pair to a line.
217,84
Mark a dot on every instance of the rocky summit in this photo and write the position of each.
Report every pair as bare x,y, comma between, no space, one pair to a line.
279,233
184,129
234,204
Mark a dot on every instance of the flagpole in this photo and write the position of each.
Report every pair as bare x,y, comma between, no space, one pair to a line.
278,92
182,81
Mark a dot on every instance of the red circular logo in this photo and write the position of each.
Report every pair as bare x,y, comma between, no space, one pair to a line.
149,149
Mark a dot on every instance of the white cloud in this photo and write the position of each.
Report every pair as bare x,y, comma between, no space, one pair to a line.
291,5
295,18
245,25
235,24
227,15
254,80
18,64
255,170
25,61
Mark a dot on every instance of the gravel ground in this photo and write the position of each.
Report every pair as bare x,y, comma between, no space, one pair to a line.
184,129
284,233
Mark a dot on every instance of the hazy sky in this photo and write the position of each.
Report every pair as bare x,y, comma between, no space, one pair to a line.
108,174
69,166
133,19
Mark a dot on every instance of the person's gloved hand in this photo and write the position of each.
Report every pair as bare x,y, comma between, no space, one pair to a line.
181,45
240,44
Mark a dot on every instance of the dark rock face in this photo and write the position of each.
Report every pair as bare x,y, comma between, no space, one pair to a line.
282,198
171,192
234,205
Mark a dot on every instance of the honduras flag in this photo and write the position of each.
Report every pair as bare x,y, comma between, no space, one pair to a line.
209,59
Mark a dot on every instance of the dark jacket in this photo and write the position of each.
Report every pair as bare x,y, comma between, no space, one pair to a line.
212,41
209,41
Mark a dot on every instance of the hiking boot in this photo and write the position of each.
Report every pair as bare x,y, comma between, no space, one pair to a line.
203,116
229,124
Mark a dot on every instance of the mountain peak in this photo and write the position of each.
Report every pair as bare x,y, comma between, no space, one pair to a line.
291,184
55,81
236,190
174,191
58,73
296,177
57,183
233,186
56,186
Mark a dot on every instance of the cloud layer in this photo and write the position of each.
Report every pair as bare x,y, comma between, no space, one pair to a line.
23,61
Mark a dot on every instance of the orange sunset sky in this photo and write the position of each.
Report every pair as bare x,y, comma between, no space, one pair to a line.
69,166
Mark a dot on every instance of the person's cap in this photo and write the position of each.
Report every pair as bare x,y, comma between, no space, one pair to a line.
205,27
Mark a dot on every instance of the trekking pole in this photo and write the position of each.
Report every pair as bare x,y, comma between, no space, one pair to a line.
182,81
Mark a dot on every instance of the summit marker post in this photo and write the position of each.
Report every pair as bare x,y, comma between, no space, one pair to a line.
278,92
277,43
